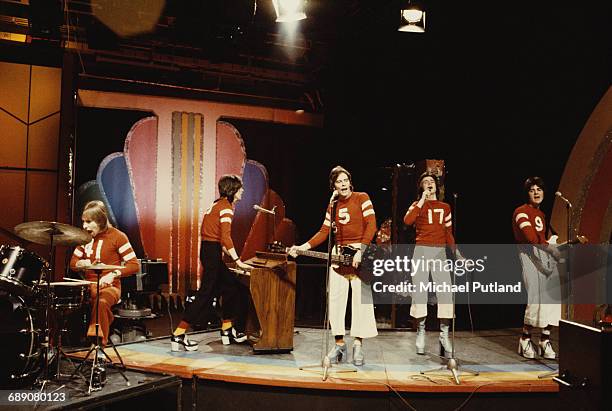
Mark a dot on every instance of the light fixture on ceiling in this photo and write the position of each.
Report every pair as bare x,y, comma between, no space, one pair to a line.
412,18
288,11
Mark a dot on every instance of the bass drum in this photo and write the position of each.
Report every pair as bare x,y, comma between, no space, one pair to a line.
21,355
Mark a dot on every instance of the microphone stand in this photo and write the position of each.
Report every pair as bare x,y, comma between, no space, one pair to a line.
325,363
568,208
273,223
452,364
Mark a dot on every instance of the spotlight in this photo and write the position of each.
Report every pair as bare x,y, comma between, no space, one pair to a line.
288,11
412,18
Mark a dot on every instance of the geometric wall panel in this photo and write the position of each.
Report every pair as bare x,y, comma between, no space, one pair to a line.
42,189
45,92
12,197
29,129
14,136
15,82
43,142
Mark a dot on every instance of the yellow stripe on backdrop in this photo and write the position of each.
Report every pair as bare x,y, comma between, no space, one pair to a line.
197,200
187,153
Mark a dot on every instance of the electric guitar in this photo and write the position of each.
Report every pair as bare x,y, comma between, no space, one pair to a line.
342,262
544,261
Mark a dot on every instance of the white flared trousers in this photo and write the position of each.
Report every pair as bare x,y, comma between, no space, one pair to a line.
418,309
363,322
543,294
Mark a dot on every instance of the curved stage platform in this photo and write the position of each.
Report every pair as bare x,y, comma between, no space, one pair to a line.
392,371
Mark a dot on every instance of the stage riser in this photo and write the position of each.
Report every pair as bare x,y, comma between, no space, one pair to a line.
214,395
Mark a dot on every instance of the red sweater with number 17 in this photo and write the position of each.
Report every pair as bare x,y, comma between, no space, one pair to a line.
433,223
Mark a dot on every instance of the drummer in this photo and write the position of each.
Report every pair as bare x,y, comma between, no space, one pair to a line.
108,246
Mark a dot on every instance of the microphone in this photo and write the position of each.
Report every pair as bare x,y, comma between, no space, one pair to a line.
558,194
264,210
334,196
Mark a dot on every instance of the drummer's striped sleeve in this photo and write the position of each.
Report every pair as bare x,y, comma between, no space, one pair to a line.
127,254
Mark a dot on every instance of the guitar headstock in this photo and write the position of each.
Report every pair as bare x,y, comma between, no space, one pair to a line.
277,247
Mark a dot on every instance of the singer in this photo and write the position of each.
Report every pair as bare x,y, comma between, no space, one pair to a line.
433,223
354,224
530,230
217,279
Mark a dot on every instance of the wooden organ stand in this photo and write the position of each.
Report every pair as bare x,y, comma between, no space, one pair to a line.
272,314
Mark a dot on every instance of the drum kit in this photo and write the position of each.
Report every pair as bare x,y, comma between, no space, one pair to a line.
29,301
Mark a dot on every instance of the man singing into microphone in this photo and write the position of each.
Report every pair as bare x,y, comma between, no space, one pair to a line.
354,224
529,227
433,222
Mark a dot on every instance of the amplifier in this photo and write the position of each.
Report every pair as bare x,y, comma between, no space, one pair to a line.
585,365
152,275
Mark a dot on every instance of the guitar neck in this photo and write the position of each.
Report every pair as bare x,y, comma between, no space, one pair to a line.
565,244
317,254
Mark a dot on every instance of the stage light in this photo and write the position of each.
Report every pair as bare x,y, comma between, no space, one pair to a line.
288,11
412,18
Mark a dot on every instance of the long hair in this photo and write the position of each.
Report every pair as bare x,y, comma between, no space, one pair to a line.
533,181
96,211
333,176
229,185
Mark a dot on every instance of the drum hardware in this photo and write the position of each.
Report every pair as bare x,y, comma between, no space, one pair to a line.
66,297
20,270
98,373
60,353
53,234
134,312
98,377
20,339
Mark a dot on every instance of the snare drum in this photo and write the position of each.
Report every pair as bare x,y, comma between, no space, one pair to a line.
68,296
20,270
21,342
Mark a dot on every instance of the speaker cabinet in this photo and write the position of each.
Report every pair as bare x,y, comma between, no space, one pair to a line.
585,365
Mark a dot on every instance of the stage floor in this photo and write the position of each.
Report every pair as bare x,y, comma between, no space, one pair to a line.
391,363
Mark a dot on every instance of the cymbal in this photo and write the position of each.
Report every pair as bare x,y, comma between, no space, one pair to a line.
102,266
12,236
42,232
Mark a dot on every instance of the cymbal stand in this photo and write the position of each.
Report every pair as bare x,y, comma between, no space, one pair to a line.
98,348
47,340
59,353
